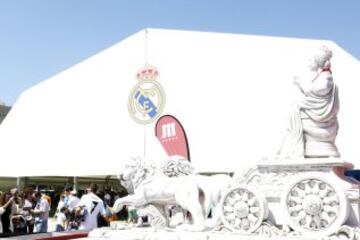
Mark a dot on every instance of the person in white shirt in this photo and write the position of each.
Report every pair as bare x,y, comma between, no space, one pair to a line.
61,220
61,203
89,207
41,212
73,201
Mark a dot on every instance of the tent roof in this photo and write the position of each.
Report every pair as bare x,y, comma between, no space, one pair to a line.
231,93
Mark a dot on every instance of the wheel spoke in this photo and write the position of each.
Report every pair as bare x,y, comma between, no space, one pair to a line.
316,189
245,197
231,217
254,209
329,200
323,192
252,201
327,218
237,222
301,193
295,199
296,208
245,223
317,221
252,218
308,189
330,209
237,196
300,217
308,220
228,208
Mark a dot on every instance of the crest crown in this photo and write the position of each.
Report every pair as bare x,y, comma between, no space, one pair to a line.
147,73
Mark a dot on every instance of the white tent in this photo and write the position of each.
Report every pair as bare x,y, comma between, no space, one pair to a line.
231,92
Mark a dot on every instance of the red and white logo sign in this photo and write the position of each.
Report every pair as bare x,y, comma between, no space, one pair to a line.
172,137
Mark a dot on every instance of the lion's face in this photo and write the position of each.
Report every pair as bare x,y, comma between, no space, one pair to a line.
130,171
135,171
129,175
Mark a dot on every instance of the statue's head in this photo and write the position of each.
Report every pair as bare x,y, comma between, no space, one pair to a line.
321,59
131,168
135,171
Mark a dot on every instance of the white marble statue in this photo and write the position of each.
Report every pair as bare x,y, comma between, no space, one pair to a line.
152,186
288,199
313,121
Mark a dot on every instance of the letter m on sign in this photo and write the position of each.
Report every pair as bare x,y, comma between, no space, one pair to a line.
172,137
168,130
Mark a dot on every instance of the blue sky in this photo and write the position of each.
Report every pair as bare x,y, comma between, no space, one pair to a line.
39,38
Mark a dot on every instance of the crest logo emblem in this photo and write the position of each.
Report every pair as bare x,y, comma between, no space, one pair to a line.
147,98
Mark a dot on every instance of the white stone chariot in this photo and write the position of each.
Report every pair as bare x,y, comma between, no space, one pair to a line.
311,196
300,198
304,186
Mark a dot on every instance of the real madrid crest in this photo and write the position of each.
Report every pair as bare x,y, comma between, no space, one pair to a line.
147,98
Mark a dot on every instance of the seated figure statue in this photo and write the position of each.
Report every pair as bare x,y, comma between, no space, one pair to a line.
313,121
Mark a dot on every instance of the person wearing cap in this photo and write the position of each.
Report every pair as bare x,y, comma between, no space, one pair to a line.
90,206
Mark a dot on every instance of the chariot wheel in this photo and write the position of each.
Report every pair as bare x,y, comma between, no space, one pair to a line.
242,209
314,205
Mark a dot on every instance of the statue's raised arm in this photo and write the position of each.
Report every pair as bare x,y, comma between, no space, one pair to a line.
313,121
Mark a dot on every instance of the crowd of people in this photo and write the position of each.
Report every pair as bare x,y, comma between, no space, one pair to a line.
28,211
24,212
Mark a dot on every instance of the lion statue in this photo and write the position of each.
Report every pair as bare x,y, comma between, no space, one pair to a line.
148,184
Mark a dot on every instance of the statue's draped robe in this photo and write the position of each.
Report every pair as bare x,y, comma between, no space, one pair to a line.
313,119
